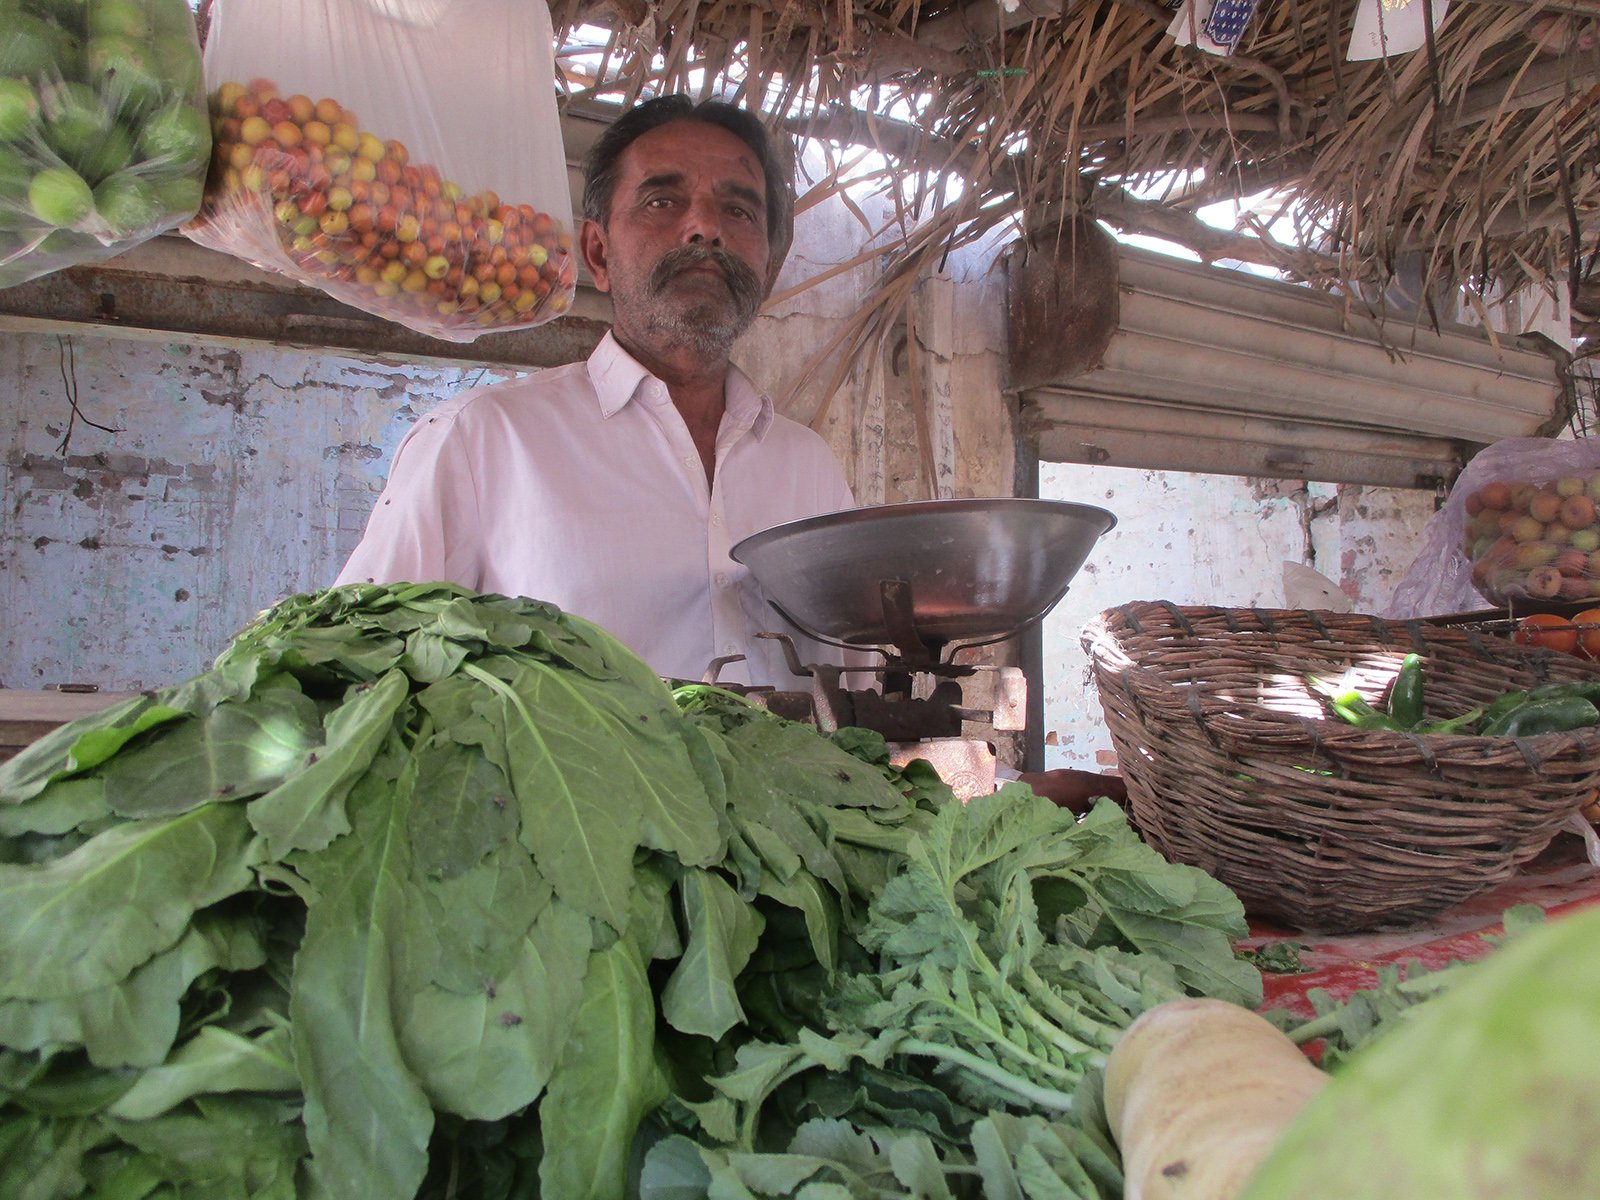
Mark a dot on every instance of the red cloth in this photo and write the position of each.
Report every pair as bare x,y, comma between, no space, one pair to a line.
1346,963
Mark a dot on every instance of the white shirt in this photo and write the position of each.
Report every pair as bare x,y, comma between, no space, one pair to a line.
581,486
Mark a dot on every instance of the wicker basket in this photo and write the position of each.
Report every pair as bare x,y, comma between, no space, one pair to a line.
1315,823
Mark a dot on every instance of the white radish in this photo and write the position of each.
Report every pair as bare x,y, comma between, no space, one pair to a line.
1196,1093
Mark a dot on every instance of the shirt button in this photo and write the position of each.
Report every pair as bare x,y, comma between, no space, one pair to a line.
687,461
722,580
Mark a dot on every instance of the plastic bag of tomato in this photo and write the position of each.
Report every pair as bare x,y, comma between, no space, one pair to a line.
1578,634
405,159
1521,527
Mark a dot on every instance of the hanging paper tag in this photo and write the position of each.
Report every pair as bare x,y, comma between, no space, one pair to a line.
1385,28
1225,25
1214,26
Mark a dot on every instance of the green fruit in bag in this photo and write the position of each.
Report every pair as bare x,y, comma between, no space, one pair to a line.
65,243
76,122
118,18
114,153
15,176
179,134
59,196
28,46
66,13
19,109
129,205
177,56
179,196
172,16
125,74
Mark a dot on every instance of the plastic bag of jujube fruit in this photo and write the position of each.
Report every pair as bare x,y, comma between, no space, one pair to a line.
402,155
1521,526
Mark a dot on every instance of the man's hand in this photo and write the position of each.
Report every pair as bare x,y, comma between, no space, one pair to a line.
1076,791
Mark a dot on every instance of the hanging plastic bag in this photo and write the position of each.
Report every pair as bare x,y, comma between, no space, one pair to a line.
1521,524
104,141
404,156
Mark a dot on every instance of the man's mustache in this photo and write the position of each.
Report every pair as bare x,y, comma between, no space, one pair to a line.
742,282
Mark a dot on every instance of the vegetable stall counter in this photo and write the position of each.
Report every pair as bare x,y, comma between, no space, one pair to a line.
27,714
1560,880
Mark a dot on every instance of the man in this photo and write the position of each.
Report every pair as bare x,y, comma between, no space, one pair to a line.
614,488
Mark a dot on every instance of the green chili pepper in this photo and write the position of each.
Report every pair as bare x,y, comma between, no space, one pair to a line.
1352,707
1405,693
1590,691
1544,716
1461,724
1503,704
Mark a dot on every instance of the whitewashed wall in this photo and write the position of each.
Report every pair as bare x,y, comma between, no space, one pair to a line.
221,481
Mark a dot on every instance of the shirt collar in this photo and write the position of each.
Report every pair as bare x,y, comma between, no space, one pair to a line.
617,377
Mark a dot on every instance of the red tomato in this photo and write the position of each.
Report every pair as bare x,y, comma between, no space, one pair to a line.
1548,631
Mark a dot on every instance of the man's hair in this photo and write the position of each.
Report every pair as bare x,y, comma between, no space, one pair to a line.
772,150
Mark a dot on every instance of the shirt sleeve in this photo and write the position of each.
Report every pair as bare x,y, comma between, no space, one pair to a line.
421,529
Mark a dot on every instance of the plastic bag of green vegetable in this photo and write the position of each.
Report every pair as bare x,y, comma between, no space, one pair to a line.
1483,1093
425,893
104,137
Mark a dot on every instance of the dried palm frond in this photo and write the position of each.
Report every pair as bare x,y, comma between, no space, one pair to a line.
1474,161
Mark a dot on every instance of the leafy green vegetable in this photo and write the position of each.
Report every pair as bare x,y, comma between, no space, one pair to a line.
1345,1028
1280,958
424,893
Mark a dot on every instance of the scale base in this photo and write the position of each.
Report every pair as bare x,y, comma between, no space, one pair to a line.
966,764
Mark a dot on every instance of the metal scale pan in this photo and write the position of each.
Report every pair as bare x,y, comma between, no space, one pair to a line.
924,575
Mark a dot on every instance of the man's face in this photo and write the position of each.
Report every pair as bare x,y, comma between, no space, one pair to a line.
684,250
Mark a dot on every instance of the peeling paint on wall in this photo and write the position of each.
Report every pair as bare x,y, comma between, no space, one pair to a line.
197,486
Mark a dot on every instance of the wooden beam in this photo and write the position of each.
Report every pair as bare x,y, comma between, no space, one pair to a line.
1568,78
945,45
171,288
979,21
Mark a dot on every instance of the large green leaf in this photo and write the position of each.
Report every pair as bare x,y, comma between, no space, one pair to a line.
464,808
487,1053
584,810
223,1148
366,1117
42,1159
134,1022
348,649
702,995
25,774
60,807
238,750
607,1080
214,1060
85,921
306,810
467,929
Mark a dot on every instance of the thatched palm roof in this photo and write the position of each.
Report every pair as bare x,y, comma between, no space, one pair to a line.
1473,160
